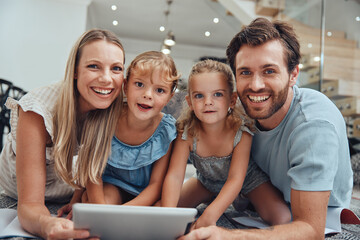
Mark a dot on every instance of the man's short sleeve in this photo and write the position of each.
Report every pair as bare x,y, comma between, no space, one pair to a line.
313,154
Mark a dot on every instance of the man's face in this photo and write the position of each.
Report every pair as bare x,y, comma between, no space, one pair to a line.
262,79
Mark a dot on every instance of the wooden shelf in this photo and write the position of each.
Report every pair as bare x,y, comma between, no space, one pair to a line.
340,88
349,106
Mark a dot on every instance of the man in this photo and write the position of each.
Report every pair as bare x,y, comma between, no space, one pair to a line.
301,140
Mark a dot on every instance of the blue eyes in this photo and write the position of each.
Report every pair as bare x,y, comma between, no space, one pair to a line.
94,66
117,68
267,71
245,73
199,95
139,84
270,71
160,90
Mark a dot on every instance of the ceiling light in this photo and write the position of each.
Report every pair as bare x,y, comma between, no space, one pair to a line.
357,18
170,39
113,7
301,66
207,33
309,45
115,23
216,20
317,59
166,49
329,34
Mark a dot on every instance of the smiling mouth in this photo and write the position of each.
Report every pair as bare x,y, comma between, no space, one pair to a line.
144,106
209,111
102,91
258,99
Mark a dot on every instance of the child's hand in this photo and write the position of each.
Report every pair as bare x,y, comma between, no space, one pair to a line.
66,209
203,221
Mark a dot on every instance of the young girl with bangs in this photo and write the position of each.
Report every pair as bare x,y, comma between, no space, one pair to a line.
214,133
141,146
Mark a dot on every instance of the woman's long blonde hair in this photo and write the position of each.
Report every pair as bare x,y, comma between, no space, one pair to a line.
90,138
236,116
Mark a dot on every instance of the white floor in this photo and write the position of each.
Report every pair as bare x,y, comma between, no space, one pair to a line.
190,171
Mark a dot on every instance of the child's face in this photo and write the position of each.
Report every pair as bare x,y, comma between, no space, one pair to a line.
99,75
147,94
210,97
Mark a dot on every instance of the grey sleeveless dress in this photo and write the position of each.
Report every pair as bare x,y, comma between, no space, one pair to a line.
212,171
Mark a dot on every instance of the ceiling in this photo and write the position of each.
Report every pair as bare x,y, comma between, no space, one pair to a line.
188,19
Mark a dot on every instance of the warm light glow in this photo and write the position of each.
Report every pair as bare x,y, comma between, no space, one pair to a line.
316,59
113,7
216,20
162,28
115,23
207,33
170,39
169,42
165,50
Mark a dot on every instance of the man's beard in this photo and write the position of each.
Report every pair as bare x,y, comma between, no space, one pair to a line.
278,100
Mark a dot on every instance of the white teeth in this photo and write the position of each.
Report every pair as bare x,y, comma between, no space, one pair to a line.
102,91
258,98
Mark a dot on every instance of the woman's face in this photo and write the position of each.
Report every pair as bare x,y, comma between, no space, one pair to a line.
100,74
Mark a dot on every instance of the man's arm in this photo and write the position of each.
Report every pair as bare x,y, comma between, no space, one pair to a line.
309,218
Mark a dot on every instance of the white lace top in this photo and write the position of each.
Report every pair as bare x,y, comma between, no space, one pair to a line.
41,101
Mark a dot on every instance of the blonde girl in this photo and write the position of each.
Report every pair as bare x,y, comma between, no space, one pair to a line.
142,142
215,135
52,124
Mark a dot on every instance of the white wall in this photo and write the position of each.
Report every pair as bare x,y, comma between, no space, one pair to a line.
36,37
184,55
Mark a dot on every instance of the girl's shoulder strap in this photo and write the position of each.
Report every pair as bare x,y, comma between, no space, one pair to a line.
238,135
185,137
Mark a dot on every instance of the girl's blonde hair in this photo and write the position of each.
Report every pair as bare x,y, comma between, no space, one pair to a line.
90,138
148,62
236,116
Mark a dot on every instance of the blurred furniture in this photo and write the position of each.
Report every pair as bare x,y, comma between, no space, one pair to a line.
7,89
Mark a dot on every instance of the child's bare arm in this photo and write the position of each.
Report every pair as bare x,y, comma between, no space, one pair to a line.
233,184
176,173
152,192
95,192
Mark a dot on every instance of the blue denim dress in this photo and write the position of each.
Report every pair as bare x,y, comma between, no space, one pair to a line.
129,167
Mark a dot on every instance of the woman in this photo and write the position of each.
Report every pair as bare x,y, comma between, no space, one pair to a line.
52,124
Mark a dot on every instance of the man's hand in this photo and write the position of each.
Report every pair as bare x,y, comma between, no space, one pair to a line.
210,233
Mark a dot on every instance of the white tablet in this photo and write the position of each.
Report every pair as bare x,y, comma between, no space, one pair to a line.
132,222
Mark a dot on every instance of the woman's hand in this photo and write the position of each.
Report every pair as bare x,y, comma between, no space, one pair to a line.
61,228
